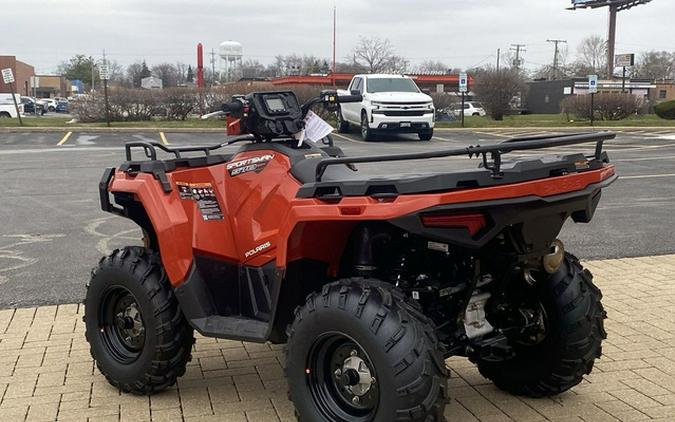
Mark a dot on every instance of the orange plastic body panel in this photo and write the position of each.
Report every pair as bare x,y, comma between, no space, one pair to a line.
263,220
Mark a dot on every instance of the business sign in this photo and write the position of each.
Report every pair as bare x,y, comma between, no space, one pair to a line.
35,82
104,72
621,4
592,84
624,60
7,76
463,82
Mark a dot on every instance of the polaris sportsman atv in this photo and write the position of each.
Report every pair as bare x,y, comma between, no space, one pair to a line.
371,282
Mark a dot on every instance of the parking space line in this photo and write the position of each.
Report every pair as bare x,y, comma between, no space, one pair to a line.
647,176
64,139
163,138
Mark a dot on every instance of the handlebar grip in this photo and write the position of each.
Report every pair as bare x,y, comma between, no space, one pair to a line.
350,98
233,107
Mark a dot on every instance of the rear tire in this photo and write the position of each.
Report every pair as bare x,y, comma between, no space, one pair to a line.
575,332
374,322
5,115
366,131
137,334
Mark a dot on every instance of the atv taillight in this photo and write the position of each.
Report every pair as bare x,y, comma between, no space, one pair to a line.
472,222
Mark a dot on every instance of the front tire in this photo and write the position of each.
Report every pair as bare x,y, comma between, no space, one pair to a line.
366,131
137,334
359,351
343,125
426,135
574,333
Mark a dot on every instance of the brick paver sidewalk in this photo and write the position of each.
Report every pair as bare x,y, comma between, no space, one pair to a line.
46,372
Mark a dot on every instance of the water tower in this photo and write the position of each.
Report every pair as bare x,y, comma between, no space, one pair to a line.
230,53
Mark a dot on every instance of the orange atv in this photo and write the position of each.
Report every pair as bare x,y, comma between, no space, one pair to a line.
371,282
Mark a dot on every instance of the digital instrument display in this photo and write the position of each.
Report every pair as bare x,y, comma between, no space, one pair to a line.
275,104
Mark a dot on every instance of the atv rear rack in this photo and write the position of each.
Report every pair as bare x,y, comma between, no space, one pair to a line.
496,150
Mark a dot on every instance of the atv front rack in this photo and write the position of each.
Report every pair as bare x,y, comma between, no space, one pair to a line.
495,151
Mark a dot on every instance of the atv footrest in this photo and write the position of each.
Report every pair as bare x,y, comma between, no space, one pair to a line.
232,328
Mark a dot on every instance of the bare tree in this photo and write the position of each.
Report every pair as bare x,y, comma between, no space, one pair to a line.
592,55
656,65
498,89
377,56
252,69
134,72
167,73
431,66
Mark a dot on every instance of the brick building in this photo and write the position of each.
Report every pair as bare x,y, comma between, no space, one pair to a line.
49,86
22,74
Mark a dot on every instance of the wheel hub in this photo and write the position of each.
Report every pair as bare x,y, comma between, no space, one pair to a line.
356,376
129,323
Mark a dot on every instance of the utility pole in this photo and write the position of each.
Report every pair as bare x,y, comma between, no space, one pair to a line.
213,63
518,48
611,40
499,53
334,41
555,57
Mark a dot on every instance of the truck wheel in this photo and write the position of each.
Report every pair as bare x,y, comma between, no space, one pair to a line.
573,335
426,135
366,131
137,334
359,351
343,126
5,115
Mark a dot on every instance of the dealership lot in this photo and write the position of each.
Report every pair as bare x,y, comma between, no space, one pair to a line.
53,233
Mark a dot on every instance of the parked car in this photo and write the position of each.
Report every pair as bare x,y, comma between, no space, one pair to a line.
391,103
471,108
49,104
62,106
30,106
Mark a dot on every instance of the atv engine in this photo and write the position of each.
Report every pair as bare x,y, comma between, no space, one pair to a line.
469,306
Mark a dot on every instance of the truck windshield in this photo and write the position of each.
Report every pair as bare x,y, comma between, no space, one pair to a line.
391,85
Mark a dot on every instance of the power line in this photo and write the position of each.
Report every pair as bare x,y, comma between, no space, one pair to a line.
518,48
555,57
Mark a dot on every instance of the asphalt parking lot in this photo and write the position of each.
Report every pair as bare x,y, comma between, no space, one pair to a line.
53,231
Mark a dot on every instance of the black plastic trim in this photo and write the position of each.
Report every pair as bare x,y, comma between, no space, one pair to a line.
230,300
580,205
103,194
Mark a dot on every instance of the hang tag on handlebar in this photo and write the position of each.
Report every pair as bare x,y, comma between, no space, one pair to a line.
315,129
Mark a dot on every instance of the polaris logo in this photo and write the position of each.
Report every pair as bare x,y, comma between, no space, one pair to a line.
257,249
256,164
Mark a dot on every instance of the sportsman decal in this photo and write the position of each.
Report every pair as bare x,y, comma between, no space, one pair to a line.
256,164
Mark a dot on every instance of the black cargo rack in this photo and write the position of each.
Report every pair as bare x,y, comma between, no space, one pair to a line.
495,151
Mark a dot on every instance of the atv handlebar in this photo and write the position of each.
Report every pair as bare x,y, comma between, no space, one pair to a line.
233,107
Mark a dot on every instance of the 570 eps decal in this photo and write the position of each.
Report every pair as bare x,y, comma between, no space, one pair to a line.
256,164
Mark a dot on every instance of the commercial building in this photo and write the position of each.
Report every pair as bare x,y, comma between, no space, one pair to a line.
663,91
545,97
49,86
430,82
22,74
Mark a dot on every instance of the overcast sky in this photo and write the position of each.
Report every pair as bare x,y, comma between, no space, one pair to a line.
461,33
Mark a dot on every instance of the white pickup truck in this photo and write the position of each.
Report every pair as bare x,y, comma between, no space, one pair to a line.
391,103
7,108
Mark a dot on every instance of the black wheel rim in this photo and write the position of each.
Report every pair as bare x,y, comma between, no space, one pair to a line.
342,379
121,325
